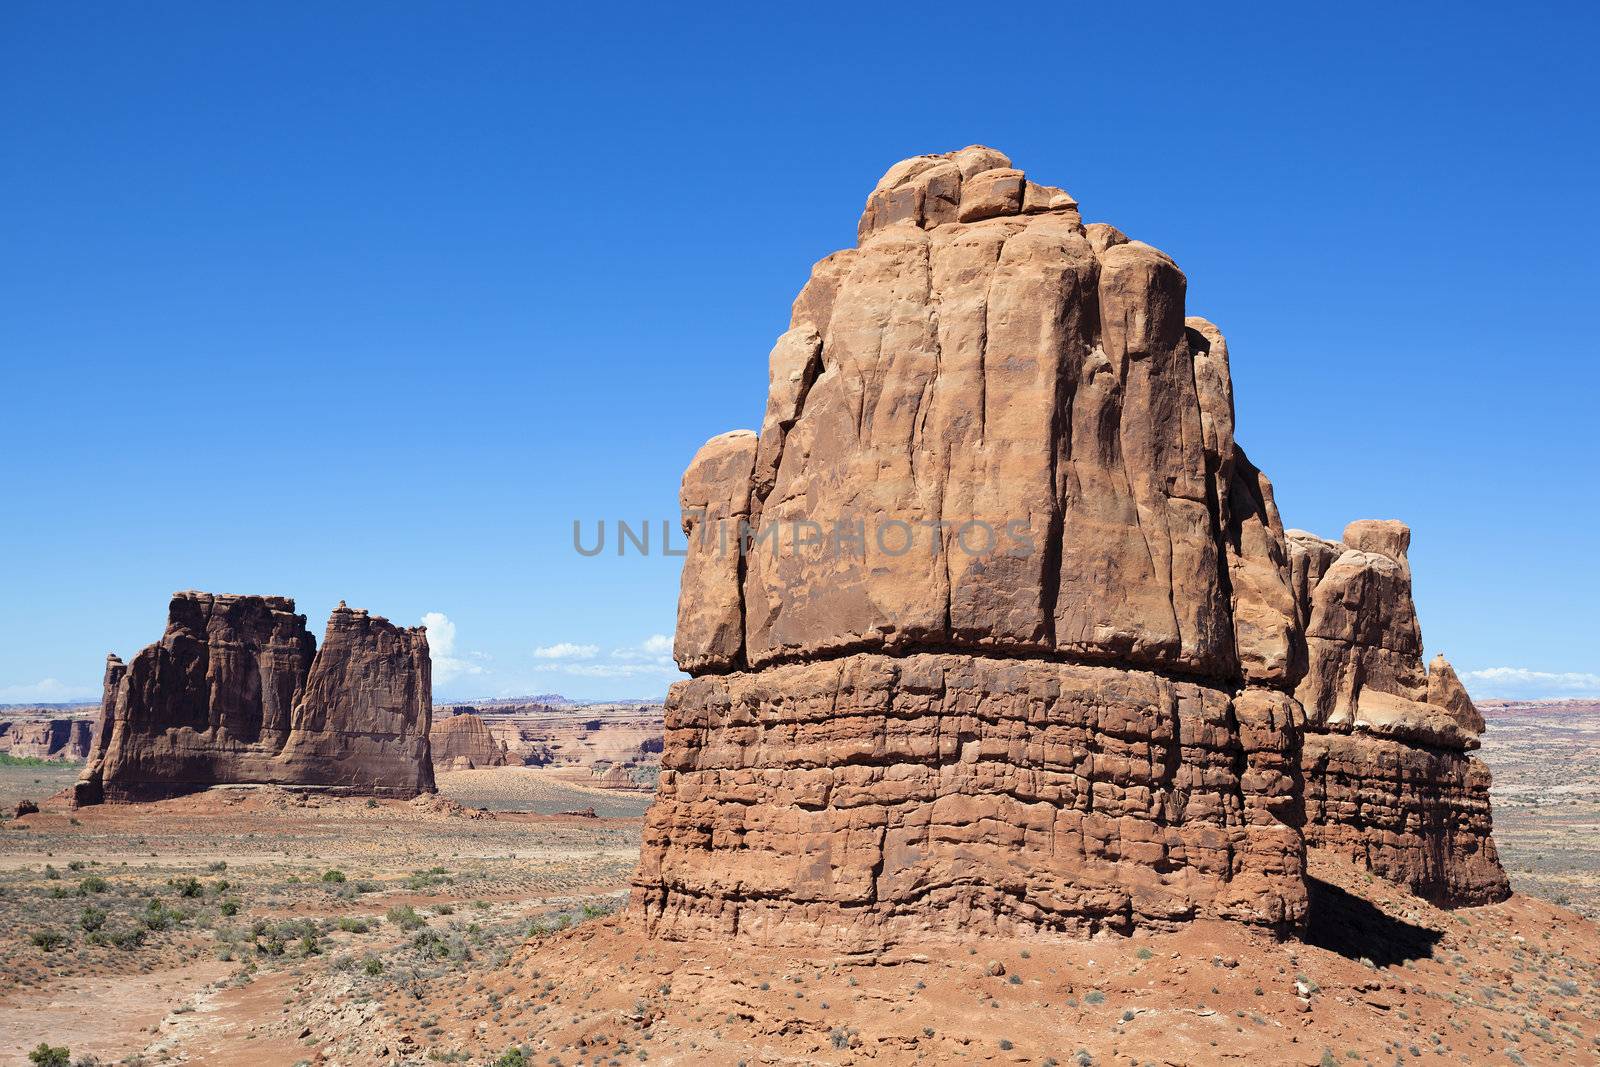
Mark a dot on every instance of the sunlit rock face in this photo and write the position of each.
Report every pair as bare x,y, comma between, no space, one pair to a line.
993,625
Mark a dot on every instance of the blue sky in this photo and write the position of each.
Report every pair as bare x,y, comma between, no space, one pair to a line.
370,302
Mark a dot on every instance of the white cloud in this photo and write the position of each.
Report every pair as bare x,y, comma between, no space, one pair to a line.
46,691
566,650
1515,682
447,667
608,670
656,648
652,656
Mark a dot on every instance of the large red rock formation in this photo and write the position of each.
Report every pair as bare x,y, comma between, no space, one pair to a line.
994,625
236,691
1011,647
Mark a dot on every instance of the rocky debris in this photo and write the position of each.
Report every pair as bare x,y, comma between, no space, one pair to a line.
25,807
49,739
464,742
995,627
1388,778
236,691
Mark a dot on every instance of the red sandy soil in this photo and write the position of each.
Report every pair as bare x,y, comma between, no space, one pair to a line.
1382,978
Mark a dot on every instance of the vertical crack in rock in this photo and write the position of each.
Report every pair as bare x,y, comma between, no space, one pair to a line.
1142,721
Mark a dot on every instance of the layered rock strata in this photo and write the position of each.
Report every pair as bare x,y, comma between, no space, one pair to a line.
994,627
1389,779
236,691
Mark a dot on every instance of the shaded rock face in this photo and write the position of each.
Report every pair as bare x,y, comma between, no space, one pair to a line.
50,739
236,691
996,628
1388,776
465,741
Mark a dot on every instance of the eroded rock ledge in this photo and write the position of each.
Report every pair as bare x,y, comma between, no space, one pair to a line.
236,691
883,738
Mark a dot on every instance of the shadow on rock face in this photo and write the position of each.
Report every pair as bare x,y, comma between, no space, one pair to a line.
1341,922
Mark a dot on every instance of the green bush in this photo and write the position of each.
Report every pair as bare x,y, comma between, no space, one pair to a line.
92,884
334,875
91,918
229,907
405,917
50,1056
188,888
373,966
49,940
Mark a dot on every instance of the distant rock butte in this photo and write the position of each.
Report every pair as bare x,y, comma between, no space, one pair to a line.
236,691
464,742
1047,660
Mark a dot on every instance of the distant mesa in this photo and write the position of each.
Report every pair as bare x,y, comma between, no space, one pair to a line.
63,739
1053,664
237,692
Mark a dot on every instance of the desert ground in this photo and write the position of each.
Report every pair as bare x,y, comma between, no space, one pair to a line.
255,925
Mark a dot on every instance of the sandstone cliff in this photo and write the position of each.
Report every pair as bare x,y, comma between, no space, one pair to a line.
236,691
50,739
994,625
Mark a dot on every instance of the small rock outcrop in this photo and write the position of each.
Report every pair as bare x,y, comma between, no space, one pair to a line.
994,627
463,742
1389,781
236,691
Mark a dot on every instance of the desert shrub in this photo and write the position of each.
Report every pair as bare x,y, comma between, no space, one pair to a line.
1094,996
515,1056
92,884
219,865
334,875
1144,954
91,918
372,966
49,940
188,888
45,1055
51,873
229,907
405,917
75,865
353,926
130,938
